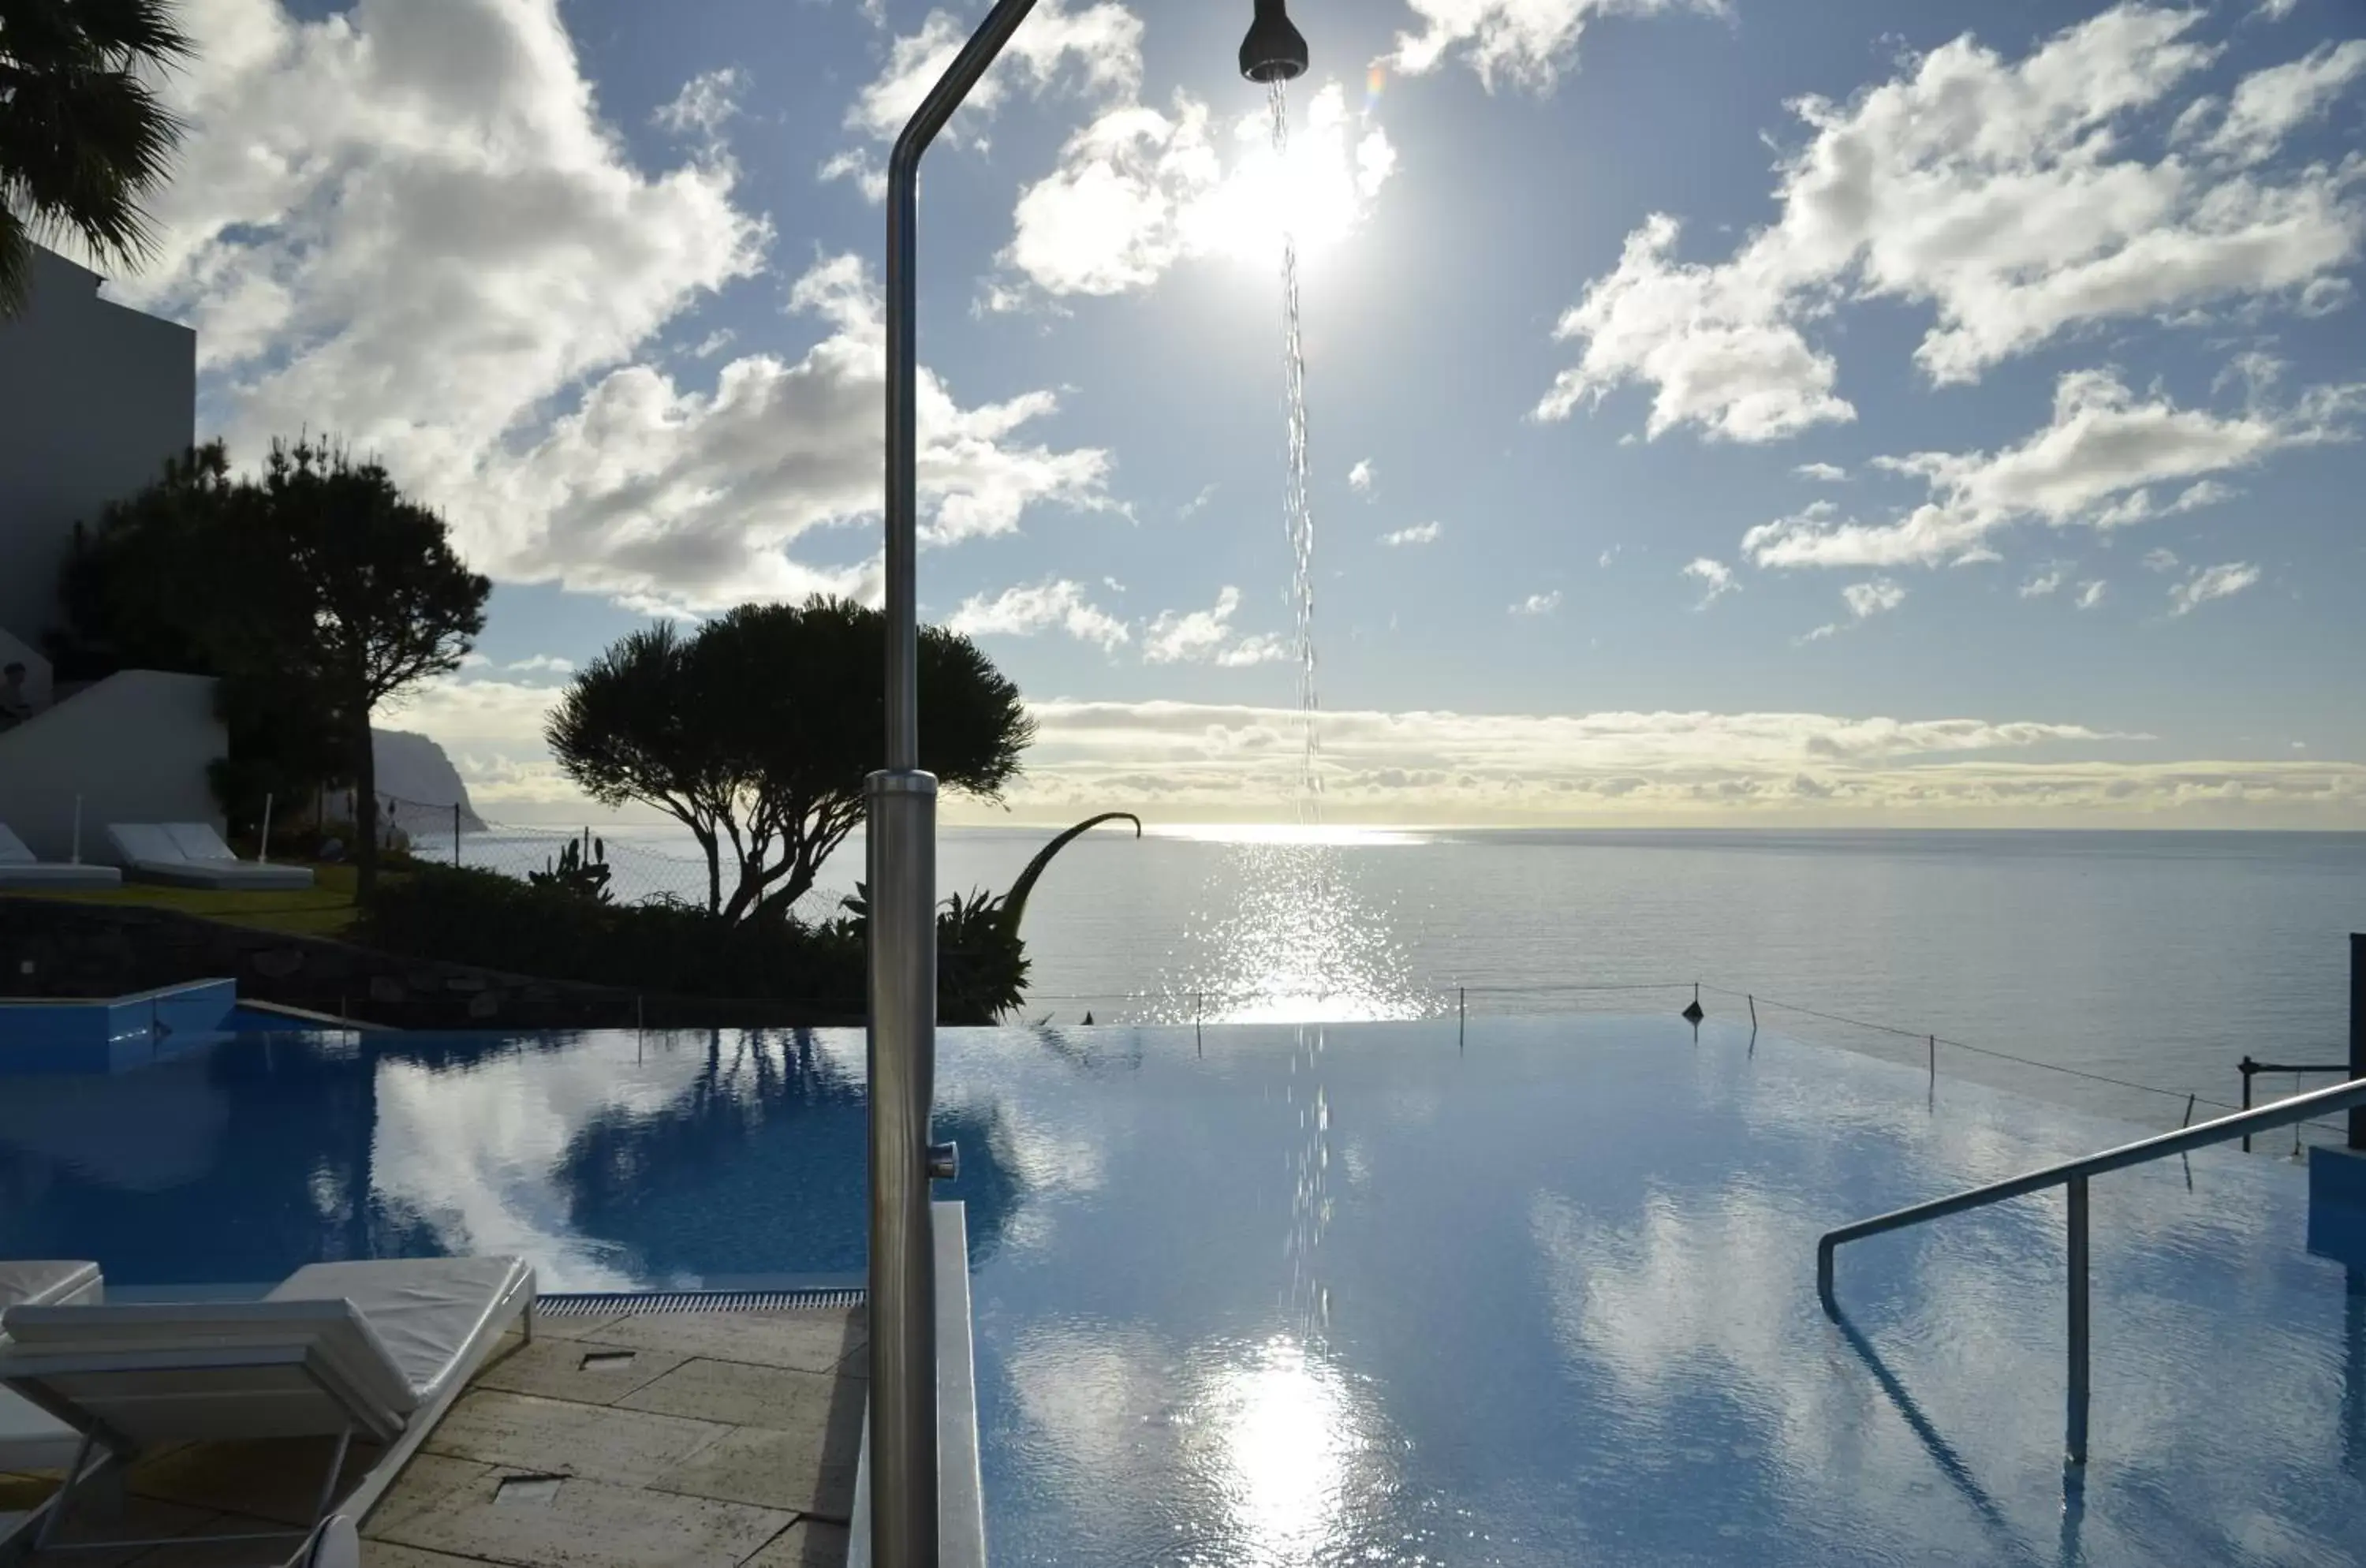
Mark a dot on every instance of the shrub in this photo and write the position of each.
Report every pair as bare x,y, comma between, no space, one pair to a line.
553,931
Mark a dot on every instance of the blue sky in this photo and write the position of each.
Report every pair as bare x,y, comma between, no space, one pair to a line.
1833,413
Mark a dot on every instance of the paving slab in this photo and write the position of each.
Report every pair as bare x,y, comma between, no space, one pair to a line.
780,1398
808,1544
806,1341
799,1471
586,1371
272,1478
581,1523
386,1554
524,1433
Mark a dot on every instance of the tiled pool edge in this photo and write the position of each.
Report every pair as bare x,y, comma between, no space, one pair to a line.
961,1495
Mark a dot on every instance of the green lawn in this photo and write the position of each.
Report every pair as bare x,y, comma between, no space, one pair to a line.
324,909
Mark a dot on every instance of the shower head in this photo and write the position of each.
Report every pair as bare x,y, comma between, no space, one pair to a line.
1274,51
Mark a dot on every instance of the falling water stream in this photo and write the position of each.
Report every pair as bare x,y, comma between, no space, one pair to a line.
1297,512
1308,1300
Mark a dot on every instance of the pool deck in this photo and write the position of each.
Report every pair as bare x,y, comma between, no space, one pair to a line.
661,1439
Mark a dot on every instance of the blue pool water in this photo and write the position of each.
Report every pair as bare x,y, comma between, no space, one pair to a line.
1355,1295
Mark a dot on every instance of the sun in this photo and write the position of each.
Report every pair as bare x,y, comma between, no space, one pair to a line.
1317,193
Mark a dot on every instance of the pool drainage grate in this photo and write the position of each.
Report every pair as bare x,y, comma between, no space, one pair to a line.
593,1304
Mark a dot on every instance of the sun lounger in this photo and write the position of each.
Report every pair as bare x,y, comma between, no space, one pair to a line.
30,1438
20,870
191,854
377,1350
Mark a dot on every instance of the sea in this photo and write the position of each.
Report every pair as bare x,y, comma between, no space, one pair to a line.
2122,972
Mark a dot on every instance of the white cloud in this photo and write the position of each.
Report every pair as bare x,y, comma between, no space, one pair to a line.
1196,505
2270,105
406,224
1096,49
2045,581
2090,467
1539,603
2212,582
2092,594
2162,559
1050,605
1822,473
542,664
705,104
1864,601
1426,533
1206,637
1714,576
664,495
1195,761
1139,189
2001,194
1360,478
1527,43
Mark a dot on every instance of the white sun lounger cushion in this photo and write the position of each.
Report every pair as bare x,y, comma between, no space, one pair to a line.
39,1283
126,1359
13,852
427,1312
144,843
198,841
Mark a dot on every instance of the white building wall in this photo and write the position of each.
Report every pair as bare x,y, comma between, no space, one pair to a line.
135,747
94,398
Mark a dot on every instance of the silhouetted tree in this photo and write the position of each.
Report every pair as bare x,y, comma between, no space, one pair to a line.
757,730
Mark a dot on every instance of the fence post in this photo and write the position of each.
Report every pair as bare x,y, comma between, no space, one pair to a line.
1461,1014
455,832
2247,1068
2076,1444
77,831
263,847
1935,1061
2358,1033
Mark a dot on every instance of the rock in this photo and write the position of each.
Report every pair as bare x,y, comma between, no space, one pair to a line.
484,1004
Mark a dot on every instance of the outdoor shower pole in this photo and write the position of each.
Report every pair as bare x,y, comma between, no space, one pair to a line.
902,851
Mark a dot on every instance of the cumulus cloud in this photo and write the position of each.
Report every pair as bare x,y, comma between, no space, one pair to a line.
1864,601
705,104
407,224
1360,478
2092,465
542,664
2269,105
660,494
2045,581
1524,43
1425,534
1094,50
1207,636
1196,761
2003,196
2211,583
1822,473
1539,603
1714,577
1139,189
1054,604
2092,594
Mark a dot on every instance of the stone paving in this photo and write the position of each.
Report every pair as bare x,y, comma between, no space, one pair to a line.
648,1440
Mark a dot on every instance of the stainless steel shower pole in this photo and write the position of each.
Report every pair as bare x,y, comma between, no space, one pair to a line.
902,853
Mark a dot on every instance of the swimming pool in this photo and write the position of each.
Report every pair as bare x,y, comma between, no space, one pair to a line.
1350,1295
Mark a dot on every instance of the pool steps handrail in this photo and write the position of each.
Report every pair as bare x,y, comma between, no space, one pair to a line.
2073,1175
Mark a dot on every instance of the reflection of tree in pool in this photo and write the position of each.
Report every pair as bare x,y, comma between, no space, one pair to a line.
759,1168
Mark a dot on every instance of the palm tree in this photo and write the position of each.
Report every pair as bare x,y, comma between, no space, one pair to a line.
82,135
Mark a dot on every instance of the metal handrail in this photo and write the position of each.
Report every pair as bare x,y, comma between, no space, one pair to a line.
2073,1175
